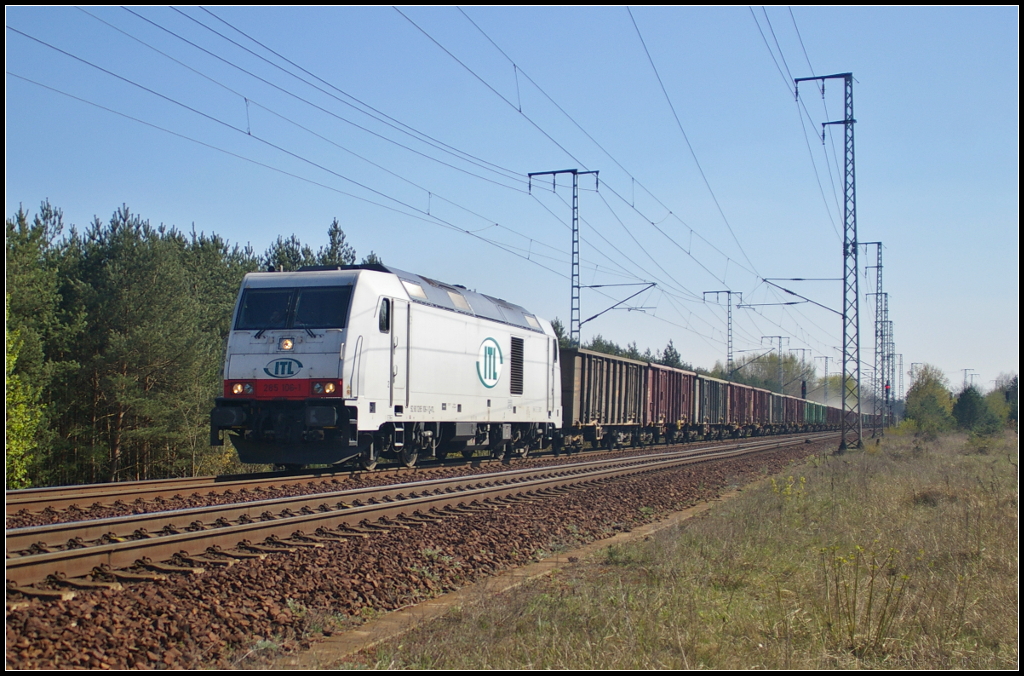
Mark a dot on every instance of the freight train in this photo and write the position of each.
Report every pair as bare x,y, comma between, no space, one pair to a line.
356,363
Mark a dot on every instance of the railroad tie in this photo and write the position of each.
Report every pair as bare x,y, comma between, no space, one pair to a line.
168,568
81,583
265,549
44,594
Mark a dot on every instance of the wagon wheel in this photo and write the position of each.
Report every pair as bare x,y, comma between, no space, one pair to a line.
514,452
499,450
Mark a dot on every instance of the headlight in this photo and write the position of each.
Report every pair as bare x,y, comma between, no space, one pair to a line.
324,387
237,388
286,344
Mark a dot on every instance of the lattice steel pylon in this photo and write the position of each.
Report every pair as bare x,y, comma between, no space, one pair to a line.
574,309
852,431
890,372
728,351
879,404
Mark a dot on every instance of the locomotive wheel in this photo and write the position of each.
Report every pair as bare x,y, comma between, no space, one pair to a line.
369,457
408,456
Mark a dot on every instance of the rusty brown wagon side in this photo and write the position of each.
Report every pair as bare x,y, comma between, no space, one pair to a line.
603,398
669,403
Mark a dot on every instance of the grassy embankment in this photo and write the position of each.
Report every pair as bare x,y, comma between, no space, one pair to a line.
903,555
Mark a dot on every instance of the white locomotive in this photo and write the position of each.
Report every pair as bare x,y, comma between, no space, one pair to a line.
326,365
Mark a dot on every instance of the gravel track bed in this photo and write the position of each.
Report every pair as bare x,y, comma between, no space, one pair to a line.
25,519
237,617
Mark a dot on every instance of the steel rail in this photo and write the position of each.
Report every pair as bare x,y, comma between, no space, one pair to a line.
62,497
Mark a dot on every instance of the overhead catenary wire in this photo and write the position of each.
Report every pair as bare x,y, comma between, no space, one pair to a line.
693,154
417,133
634,180
420,215
303,127
505,173
630,203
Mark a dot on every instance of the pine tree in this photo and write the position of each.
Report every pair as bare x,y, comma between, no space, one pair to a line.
337,251
973,414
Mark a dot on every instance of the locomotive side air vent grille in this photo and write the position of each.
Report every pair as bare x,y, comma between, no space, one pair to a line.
517,366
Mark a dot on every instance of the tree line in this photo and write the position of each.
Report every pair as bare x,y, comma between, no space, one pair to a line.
932,407
668,357
114,343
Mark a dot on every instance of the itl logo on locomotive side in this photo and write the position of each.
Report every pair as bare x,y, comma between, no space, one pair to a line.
488,363
283,368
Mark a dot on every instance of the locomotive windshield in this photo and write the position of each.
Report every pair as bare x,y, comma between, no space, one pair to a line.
301,307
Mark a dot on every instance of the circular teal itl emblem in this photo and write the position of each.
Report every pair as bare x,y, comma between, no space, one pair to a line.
488,362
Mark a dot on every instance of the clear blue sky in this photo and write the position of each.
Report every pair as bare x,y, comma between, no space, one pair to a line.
257,122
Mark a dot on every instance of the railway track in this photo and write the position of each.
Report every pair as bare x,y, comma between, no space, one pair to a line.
74,503
145,546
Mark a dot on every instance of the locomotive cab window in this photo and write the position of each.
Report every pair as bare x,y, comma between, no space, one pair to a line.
385,316
302,307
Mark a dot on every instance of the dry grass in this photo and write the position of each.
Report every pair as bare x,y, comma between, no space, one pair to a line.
901,556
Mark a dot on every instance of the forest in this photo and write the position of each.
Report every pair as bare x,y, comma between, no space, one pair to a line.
115,336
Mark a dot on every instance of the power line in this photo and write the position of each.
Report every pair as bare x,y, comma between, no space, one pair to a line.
608,186
774,60
416,133
434,220
687,139
496,92
777,45
799,104
509,174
